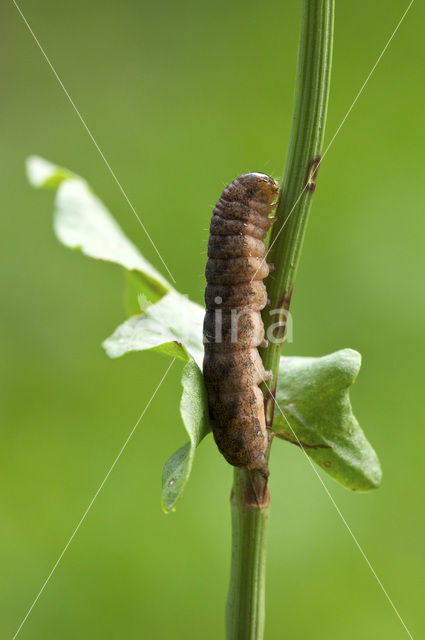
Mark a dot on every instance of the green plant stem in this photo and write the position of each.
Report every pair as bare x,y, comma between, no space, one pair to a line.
250,496
245,602
299,179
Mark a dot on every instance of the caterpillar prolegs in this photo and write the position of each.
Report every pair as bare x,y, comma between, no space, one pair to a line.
233,329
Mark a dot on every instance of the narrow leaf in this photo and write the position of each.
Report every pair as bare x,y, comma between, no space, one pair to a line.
81,221
313,394
172,326
194,412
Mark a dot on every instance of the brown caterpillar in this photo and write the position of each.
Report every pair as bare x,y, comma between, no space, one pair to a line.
233,329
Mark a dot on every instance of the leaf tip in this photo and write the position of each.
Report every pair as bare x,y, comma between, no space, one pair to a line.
372,477
166,510
376,476
42,174
346,364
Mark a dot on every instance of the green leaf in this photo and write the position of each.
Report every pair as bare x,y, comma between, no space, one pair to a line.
194,412
172,326
313,394
81,221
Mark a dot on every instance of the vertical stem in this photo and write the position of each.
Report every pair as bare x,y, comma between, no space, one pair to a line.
250,496
246,598
299,179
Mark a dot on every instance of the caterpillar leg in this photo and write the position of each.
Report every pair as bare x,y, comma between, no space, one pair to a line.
271,266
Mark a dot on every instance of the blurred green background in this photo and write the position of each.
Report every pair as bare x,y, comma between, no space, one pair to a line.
183,97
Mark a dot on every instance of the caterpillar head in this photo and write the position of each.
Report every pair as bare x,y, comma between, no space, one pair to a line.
261,185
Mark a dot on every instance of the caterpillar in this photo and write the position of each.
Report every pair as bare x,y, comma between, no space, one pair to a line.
233,329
